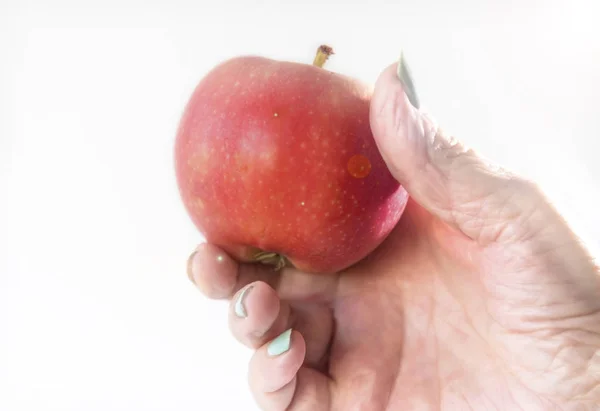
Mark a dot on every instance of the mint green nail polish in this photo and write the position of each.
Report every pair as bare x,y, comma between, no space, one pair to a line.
239,308
403,73
280,344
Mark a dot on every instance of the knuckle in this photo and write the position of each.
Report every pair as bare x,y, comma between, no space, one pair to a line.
491,204
444,150
521,212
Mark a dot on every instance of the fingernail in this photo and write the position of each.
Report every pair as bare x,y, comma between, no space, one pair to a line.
280,344
189,266
403,73
239,308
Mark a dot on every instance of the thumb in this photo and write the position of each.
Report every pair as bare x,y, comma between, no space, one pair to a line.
440,173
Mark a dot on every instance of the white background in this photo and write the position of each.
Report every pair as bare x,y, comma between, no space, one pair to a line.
96,312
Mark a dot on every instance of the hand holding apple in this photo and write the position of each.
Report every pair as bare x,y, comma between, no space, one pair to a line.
481,297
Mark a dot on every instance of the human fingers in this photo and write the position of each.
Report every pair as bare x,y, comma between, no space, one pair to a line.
257,315
279,381
219,276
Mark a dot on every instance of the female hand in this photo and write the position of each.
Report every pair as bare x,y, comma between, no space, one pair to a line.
482,298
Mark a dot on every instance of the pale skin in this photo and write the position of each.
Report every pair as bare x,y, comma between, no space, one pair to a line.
481,299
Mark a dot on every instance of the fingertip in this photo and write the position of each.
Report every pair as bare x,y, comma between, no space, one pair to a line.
397,77
254,311
395,125
389,88
283,383
388,77
405,135
276,364
212,270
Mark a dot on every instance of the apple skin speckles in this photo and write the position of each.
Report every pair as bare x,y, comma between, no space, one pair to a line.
292,168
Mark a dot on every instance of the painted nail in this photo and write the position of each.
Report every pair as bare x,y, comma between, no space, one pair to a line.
189,266
280,344
403,73
239,308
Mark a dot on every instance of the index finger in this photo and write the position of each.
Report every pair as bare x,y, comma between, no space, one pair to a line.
220,276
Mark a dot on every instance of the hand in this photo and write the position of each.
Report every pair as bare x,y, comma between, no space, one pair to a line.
481,299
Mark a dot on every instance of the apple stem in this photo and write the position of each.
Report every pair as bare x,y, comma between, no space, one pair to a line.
270,258
323,53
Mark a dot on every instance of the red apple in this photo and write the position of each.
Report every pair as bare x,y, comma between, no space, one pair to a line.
275,162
